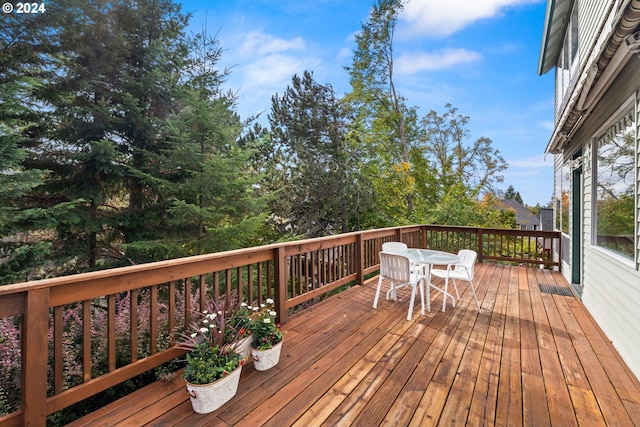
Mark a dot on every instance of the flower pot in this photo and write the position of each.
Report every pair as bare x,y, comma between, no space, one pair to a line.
207,398
266,359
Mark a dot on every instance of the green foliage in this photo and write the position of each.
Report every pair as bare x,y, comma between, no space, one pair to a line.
616,215
210,184
385,123
207,364
118,145
266,332
320,159
209,357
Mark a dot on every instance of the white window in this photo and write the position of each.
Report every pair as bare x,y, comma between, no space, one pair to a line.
562,184
615,186
567,67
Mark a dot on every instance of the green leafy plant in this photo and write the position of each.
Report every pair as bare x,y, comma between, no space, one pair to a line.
237,322
266,332
209,357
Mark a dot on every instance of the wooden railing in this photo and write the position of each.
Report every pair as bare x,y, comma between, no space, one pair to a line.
76,336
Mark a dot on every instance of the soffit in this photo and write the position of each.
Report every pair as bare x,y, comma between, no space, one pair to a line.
555,24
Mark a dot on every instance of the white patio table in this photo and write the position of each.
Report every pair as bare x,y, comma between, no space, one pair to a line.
426,258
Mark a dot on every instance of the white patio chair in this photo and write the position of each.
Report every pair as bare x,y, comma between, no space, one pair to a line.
464,270
397,246
391,246
397,270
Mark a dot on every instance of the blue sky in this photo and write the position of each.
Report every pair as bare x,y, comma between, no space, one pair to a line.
481,56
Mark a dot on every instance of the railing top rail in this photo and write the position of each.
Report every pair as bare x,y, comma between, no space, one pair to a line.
173,264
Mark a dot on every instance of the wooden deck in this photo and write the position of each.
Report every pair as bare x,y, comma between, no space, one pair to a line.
530,358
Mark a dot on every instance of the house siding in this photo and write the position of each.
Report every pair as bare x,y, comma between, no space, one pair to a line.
611,294
611,282
591,15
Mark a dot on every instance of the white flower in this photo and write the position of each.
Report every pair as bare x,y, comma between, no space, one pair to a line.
270,301
193,335
203,330
205,321
249,307
212,316
273,313
220,313
244,304
262,306
266,320
255,309
204,312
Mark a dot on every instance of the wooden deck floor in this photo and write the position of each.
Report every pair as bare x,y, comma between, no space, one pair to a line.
530,358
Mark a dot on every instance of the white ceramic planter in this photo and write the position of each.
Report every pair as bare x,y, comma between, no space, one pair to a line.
266,359
207,398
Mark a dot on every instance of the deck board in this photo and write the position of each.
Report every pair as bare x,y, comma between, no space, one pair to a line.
530,358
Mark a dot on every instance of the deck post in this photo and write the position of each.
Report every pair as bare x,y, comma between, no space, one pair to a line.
399,234
280,296
480,245
359,259
35,330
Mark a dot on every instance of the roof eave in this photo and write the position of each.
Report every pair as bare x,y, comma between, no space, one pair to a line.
553,33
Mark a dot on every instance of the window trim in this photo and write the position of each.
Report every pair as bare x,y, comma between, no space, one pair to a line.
619,113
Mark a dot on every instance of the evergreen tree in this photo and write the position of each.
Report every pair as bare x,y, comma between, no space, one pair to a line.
323,186
208,174
106,89
511,193
25,61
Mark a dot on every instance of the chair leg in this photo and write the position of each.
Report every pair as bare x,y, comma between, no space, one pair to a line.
421,296
391,293
375,300
473,291
427,290
444,294
455,286
413,297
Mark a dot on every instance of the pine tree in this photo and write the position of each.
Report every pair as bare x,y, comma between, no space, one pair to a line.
113,69
311,127
25,45
208,174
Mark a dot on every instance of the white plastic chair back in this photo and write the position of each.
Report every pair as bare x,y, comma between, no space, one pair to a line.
468,260
390,246
395,267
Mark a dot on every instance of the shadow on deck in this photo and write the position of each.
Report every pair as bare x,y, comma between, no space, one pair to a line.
529,358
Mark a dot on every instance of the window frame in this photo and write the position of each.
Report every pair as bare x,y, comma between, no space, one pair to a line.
628,106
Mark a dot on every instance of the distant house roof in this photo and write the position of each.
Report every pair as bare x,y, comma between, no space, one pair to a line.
523,215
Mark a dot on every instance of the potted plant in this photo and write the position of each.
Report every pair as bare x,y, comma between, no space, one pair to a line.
213,370
267,337
238,328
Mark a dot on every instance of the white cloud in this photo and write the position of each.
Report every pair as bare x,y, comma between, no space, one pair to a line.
261,43
439,18
413,63
264,66
274,70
